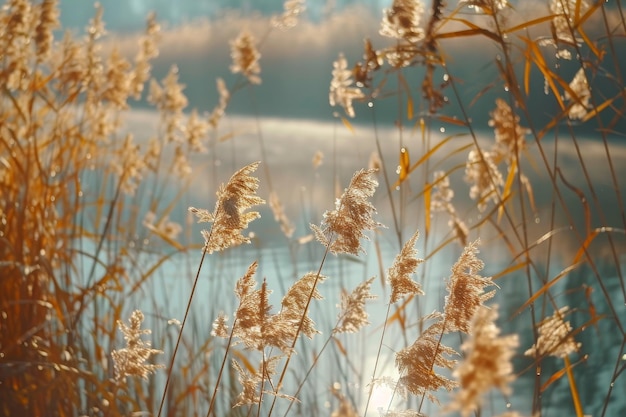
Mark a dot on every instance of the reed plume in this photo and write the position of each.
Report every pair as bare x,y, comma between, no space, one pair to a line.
341,90
292,9
465,290
555,337
294,304
343,228
487,362
399,275
402,21
353,315
484,176
581,96
246,57
417,361
131,360
257,327
229,217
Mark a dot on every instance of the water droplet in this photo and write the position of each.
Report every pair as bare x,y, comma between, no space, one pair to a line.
370,104
508,405
506,88
442,129
537,220
446,77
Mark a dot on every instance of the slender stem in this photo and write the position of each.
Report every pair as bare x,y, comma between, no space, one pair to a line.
380,346
394,215
180,333
315,361
219,375
432,365
573,389
304,313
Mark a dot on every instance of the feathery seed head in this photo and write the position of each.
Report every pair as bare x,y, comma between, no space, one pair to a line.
295,301
582,97
442,194
487,362
220,326
48,21
289,18
230,217
353,315
246,57
399,275
510,136
130,361
341,93
565,17
416,363
483,174
343,228
402,21
554,337
465,290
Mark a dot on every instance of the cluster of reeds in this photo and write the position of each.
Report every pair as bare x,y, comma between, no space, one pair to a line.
76,191
85,226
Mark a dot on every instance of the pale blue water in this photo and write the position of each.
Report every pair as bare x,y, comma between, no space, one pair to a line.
308,193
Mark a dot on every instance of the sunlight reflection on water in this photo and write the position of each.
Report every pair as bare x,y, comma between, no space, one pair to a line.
307,192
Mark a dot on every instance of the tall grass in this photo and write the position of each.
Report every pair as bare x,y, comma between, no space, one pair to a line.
88,246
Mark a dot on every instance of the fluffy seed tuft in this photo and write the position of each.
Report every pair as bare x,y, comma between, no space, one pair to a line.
230,217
